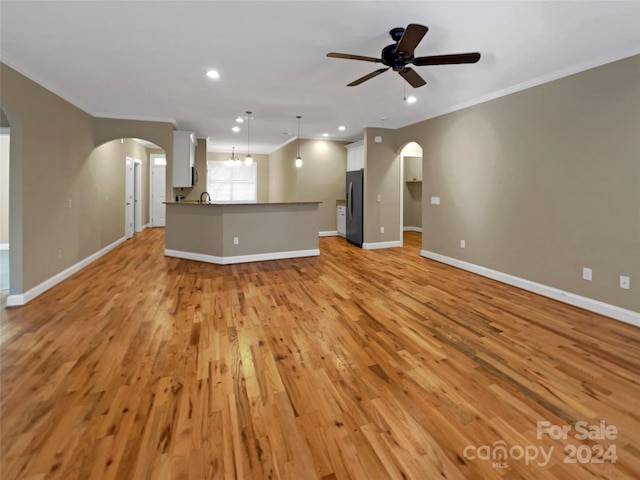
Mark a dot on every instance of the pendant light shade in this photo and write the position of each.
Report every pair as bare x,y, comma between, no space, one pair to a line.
298,157
248,160
229,162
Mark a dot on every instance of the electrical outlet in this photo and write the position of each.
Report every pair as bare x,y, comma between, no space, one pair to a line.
381,229
236,241
60,253
69,203
463,244
586,274
625,282
379,198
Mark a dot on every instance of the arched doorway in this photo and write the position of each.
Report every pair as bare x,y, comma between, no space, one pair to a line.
411,188
5,155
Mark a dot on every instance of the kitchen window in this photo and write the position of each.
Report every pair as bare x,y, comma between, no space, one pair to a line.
231,183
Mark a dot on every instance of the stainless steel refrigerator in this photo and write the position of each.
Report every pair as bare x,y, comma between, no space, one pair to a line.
355,188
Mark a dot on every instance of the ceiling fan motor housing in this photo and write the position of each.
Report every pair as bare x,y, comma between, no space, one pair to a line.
393,59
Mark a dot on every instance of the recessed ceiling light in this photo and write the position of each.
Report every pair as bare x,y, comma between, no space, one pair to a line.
325,134
342,128
411,99
239,119
236,129
213,74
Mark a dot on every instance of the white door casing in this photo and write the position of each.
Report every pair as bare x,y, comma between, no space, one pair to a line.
128,198
157,190
137,195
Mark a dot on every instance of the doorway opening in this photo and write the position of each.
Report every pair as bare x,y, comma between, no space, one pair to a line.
411,189
158,190
5,135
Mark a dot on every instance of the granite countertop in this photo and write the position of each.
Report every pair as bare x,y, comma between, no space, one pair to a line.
195,202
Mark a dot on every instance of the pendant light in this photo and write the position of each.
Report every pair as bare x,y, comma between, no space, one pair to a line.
298,158
248,160
230,162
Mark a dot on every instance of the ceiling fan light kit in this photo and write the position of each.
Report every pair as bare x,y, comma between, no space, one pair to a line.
399,55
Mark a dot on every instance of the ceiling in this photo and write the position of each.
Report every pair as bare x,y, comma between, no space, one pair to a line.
147,60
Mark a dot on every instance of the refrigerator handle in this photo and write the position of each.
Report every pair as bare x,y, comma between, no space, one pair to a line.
350,200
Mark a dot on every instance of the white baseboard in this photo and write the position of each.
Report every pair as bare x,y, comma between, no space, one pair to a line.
596,306
412,229
4,246
259,257
379,245
23,298
329,233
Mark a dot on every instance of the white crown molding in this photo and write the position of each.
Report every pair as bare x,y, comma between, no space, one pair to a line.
140,118
45,84
596,306
565,72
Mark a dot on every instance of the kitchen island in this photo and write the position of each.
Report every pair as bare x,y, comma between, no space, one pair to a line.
226,233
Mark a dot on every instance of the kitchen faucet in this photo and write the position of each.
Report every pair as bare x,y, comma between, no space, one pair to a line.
208,197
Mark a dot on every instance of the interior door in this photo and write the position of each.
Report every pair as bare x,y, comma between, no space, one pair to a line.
128,196
158,192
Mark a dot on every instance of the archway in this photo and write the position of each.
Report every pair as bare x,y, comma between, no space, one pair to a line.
411,189
5,155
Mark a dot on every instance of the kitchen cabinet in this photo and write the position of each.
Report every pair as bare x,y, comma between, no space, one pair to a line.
184,149
355,156
412,169
342,219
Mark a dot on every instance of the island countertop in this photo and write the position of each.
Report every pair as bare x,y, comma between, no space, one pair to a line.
225,233
195,202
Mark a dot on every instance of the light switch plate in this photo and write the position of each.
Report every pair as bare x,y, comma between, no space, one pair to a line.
435,200
586,274
625,282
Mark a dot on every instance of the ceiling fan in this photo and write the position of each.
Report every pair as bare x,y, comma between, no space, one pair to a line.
400,54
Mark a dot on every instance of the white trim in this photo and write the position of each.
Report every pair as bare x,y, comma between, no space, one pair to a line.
4,246
22,299
612,311
412,229
258,257
328,233
379,245
565,72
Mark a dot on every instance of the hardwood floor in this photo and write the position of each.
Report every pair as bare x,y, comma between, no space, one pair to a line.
352,365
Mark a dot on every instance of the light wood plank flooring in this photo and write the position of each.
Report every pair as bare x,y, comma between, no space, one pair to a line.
352,365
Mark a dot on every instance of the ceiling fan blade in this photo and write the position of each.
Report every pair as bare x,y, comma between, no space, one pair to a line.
446,59
412,77
353,57
411,38
367,77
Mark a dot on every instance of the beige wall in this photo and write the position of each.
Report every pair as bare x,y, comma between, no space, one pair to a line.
4,187
381,177
53,162
283,174
542,183
412,204
321,178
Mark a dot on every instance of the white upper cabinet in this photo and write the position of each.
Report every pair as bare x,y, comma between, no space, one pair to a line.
184,149
355,156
